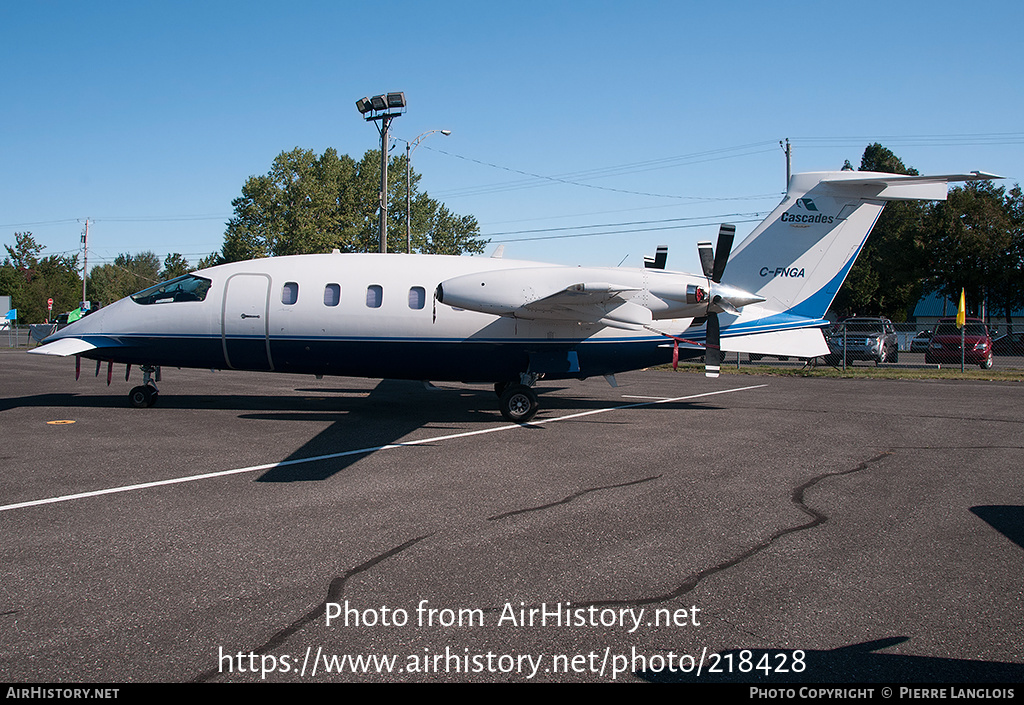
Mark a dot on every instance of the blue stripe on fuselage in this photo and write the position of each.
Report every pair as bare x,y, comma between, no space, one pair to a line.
451,360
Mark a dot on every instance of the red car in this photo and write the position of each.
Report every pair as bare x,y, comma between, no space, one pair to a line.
945,346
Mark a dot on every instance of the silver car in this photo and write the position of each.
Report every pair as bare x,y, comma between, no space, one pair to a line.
863,339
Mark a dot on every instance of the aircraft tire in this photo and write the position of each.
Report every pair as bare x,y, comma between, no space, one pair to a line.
140,397
519,403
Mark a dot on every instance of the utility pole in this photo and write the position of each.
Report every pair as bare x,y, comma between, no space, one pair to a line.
410,147
789,159
85,258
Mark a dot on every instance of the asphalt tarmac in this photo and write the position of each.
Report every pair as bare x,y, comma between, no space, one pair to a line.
745,529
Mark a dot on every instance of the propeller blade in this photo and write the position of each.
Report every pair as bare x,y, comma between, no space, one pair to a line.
713,349
707,257
726,234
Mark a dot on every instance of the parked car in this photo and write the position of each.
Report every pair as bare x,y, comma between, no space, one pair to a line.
946,340
865,339
1009,344
921,341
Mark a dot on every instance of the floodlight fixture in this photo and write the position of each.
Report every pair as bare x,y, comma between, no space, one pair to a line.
373,109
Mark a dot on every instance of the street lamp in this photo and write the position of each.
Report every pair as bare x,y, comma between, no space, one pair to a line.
380,107
410,147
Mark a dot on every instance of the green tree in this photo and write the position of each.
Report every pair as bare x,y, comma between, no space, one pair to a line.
308,203
174,266
211,260
1008,288
886,278
25,253
126,275
31,279
976,246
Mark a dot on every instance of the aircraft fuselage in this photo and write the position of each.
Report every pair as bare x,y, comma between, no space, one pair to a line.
354,315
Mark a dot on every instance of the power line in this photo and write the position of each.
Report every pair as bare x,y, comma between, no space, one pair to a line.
573,178
950,140
746,218
121,219
625,224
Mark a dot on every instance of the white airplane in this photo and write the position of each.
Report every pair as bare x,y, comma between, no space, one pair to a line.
511,323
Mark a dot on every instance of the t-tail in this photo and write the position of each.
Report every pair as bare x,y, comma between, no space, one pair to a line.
799,256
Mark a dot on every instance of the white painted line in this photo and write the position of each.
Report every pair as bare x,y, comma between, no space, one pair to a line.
637,396
360,451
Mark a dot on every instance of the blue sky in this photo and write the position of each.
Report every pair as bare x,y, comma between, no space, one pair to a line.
148,117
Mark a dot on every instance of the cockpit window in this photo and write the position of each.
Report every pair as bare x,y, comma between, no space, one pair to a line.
184,288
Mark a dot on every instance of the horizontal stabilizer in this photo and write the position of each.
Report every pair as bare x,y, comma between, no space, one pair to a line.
899,187
805,342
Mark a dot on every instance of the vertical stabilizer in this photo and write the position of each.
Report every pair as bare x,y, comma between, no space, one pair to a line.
799,256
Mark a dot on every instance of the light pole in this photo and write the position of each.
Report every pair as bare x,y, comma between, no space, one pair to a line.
410,147
379,107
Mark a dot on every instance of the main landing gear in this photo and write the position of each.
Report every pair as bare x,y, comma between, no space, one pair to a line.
518,403
146,394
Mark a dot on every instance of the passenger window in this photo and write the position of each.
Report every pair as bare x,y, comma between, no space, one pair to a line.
374,296
332,295
417,297
290,293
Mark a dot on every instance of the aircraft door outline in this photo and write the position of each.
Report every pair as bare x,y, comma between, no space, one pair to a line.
245,321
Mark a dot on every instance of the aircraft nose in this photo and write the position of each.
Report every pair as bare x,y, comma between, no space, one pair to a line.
92,324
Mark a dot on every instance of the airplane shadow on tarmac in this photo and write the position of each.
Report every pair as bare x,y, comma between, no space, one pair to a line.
1006,519
856,663
393,410
363,420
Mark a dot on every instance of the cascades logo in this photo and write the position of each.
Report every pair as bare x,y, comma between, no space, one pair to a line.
811,216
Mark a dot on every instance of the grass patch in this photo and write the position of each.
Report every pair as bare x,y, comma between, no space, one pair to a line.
996,374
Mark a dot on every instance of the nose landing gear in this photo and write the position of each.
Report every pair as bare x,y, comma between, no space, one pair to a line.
146,394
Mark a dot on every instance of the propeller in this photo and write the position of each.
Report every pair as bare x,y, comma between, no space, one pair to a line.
714,268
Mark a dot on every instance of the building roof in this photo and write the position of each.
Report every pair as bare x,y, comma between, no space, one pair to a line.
935,306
